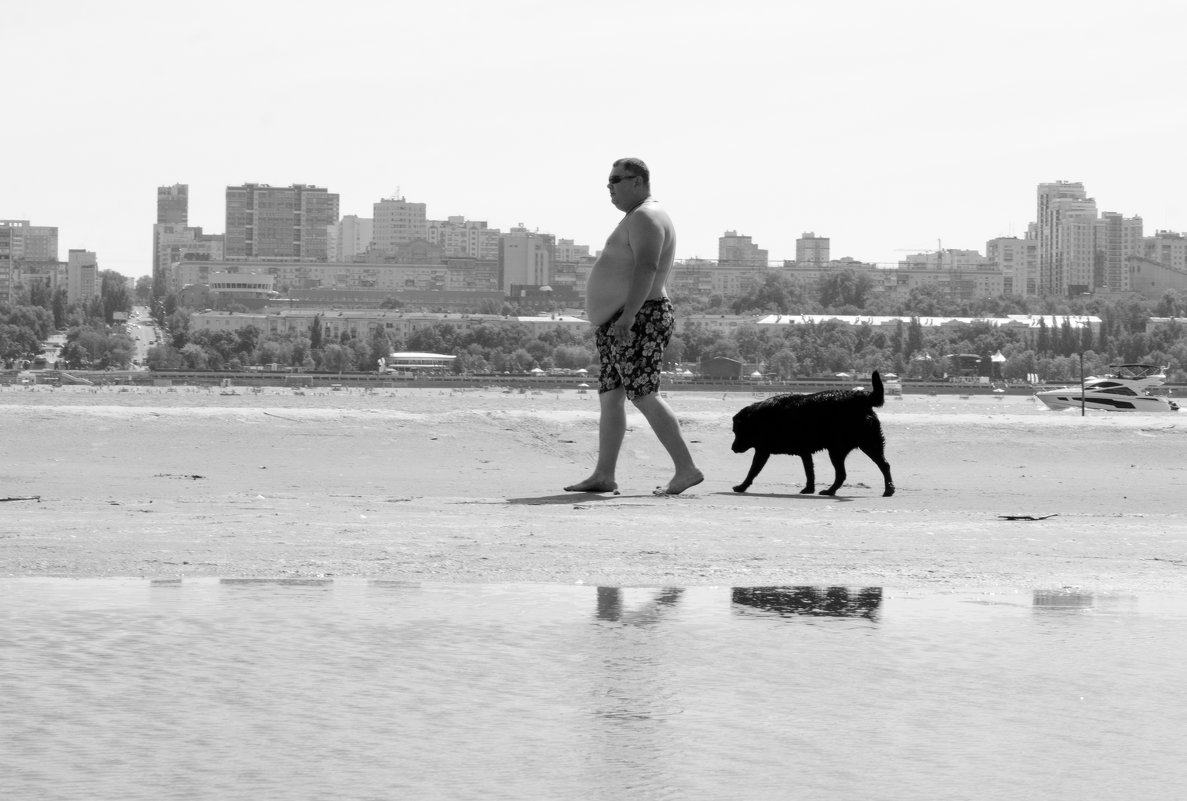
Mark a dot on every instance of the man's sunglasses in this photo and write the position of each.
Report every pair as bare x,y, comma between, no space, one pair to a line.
614,179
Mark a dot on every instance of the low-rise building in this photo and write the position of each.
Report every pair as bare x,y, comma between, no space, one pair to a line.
362,323
1017,321
288,275
1152,279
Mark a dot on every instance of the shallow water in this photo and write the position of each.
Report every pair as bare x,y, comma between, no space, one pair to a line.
353,689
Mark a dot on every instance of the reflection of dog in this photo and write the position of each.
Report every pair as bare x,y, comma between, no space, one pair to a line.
836,420
814,601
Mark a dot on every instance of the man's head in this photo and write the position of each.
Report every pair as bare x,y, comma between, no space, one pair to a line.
629,184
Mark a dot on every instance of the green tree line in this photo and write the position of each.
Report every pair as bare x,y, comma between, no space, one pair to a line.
94,339
794,351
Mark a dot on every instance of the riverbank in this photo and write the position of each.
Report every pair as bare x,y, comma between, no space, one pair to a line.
465,486
246,381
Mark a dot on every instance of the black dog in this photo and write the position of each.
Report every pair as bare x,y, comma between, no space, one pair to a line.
836,420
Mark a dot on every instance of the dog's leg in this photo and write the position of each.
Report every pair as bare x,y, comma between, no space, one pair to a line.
809,473
756,466
874,451
837,457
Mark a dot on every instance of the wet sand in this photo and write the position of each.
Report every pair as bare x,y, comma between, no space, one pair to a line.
465,486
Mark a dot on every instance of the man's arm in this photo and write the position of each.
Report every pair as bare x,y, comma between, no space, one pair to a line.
645,236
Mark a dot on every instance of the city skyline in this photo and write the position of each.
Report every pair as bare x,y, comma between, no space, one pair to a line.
889,130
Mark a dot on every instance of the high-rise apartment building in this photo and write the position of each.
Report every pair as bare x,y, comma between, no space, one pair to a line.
944,259
173,211
569,252
26,242
82,276
173,204
1018,260
1167,248
173,243
1117,238
525,259
6,270
349,238
812,249
174,240
1065,230
739,251
266,222
21,245
396,223
459,237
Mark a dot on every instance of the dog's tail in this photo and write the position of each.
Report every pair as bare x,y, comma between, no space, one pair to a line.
877,397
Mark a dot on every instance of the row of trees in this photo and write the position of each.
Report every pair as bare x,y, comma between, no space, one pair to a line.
848,291
93,340
909,349
791,351
483,349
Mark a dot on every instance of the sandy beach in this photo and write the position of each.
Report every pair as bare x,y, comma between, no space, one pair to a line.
465,486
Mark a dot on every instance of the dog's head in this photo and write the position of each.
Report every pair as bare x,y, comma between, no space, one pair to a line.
743,430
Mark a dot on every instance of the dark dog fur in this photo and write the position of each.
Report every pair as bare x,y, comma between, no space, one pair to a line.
836,420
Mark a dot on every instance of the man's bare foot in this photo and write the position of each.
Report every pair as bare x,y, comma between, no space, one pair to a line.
593,484
680,483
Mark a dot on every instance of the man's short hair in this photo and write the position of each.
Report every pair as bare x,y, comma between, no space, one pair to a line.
636,167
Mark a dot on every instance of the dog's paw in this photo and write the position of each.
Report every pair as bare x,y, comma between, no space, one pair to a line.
888,493
829,491
807,490
741,488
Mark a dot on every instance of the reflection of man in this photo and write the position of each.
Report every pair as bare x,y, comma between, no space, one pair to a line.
626,298
610,606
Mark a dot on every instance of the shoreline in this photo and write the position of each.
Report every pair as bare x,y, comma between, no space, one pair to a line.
465,487
253,380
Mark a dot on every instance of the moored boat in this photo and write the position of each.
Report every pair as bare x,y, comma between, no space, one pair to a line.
1125,390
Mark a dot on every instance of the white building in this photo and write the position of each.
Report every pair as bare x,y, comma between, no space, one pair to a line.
349,238
396,222
570,253
1016,321
1117,238
943,259
27,242
1018,260
362,322
525,259
82,276
812,249
737,250
1167,248
459,237
1065,228
175,242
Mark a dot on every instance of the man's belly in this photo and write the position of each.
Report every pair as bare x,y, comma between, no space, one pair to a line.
605,294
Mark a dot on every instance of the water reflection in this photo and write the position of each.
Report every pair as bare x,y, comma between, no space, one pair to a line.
611,608
1062,599
814,601
278,688
279,582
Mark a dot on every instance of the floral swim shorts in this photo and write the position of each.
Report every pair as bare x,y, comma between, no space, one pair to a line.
635,365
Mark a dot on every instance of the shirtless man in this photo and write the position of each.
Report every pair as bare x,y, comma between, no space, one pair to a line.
627,300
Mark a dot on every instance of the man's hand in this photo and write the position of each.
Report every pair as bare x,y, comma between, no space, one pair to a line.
621,329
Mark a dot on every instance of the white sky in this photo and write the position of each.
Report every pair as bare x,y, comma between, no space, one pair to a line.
886,125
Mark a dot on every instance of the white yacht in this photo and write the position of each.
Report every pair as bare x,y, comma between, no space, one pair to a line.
1125,390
